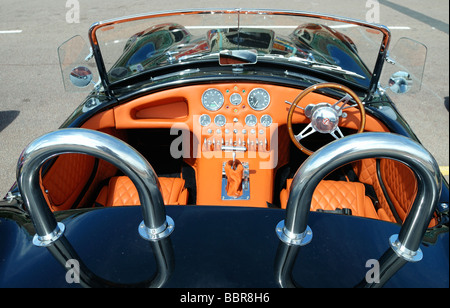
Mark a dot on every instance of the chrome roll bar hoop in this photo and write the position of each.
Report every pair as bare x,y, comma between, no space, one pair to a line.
404,247
294,229
156,225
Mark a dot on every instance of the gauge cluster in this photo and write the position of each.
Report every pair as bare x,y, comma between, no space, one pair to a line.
258,99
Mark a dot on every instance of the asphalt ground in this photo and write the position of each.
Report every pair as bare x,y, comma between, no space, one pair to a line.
33,100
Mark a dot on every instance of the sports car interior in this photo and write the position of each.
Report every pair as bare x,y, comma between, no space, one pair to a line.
230,144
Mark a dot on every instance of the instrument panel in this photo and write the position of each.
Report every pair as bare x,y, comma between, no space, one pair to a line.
213,99
258,99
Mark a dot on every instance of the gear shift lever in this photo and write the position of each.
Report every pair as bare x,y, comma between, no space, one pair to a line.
234,172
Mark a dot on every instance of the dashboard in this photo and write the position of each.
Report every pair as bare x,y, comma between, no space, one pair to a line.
238,113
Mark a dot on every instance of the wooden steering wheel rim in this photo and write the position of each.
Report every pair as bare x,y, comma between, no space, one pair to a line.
312,88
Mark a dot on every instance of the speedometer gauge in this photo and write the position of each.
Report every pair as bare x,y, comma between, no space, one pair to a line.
258,99
212,99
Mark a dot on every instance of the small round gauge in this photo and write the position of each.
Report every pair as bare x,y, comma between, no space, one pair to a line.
258,99
251,120
212,99
205,120
220,120
235,99
266,120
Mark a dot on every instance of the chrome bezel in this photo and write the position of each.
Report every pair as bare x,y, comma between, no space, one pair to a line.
252,92
240,99
261,120
210,90
253,116
204,116
220,116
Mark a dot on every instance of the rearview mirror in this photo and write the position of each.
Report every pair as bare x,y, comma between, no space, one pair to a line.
238,57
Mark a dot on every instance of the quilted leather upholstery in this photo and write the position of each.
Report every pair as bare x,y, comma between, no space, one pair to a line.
401,185
366,170
399,181
66,178
332,195
121,191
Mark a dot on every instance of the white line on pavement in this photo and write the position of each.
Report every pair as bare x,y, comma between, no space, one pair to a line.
10,31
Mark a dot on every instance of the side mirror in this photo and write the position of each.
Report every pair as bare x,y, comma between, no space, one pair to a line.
400,82
77,65
81,76
405,66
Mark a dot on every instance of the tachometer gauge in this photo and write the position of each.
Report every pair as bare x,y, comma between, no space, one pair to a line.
251,120
220,120
258,99
205,120
266,120
212,99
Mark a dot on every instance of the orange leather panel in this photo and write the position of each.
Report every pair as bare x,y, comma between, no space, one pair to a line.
399,181
125,114
332,195
366,170
163,110
101,120
401,185
66,178
122,192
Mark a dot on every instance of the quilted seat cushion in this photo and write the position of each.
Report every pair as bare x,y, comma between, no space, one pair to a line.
121,191
332,195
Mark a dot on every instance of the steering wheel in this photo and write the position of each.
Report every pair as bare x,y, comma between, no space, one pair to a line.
324,116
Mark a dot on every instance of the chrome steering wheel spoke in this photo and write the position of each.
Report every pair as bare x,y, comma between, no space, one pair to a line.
344,102
308,130
339,134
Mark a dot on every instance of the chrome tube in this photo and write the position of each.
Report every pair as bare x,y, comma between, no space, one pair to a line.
404,247
100,145
357,147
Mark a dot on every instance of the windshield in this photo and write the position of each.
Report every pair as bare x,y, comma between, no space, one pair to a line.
347,48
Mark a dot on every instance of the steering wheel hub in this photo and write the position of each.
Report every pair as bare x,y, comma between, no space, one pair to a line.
325,119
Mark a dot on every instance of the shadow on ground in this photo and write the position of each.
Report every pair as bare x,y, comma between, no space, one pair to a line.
7,117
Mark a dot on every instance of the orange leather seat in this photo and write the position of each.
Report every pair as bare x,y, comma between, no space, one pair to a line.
121,191
332,195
